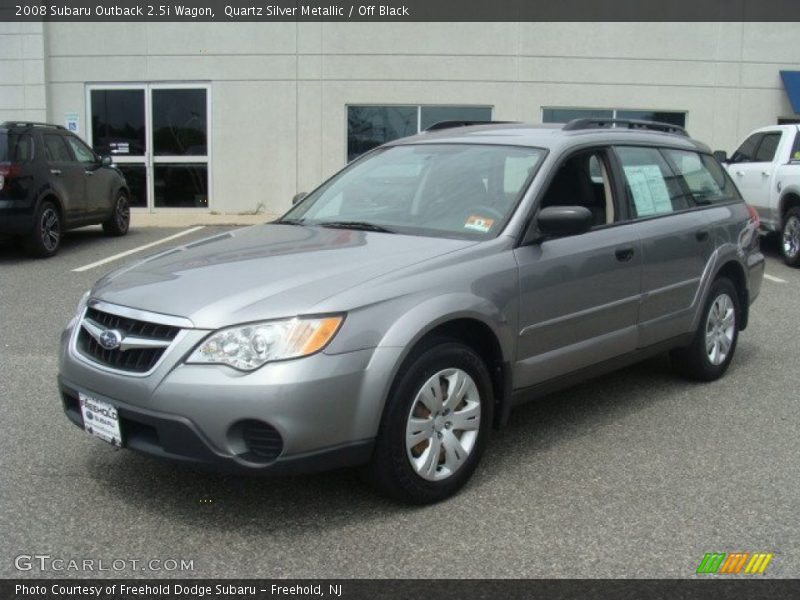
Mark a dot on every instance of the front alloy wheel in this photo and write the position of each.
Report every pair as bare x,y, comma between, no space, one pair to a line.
791,238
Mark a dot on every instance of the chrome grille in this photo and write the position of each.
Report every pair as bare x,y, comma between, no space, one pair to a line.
140,344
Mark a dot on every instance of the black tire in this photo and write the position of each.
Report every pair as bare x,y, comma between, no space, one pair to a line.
695,361
390,470
120,220
44,240
790,238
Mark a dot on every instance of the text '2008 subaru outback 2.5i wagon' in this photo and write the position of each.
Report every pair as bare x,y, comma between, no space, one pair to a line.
399,311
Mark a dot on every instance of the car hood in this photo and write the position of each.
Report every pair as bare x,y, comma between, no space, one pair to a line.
263,272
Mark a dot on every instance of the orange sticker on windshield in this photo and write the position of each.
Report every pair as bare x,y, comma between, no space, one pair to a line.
477,223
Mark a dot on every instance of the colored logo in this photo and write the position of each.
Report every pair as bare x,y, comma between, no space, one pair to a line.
733,563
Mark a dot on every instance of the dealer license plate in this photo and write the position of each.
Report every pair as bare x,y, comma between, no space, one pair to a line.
100,419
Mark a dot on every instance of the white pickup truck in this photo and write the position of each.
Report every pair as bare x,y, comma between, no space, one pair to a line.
766,169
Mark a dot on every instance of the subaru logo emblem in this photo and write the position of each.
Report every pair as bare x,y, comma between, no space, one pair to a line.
110,339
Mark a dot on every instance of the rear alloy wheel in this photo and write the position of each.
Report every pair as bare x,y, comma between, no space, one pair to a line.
790,238
714,343
435,424
120,220
45,238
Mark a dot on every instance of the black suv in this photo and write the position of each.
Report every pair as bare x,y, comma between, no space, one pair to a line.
51,181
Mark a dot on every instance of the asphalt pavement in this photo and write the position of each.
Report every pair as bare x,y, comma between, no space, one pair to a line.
635,474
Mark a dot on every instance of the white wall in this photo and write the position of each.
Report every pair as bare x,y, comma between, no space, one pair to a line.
22,78
279,90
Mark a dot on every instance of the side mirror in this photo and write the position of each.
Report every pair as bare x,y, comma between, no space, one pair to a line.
105,161
298,197
560,221
721,156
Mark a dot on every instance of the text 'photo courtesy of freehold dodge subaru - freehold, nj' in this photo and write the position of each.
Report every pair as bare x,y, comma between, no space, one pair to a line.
395,315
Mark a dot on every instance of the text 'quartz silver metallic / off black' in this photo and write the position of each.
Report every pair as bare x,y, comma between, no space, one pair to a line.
398,312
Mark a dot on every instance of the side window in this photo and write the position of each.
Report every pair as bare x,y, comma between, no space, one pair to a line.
21,148
795,155
702,175
582,180
80,150
767,147
651,185
56,149
747,151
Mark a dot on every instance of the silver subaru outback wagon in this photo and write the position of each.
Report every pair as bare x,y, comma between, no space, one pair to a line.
397,313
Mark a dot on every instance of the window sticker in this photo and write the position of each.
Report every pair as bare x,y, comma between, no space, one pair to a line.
650,194
477,223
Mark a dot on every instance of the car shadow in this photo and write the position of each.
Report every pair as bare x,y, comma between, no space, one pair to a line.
12,250
337,499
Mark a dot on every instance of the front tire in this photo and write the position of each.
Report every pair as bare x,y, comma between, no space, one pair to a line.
120,220
45,238
435,425
790,238
714,343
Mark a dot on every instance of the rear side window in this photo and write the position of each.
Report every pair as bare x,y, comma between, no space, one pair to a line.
703,176
652,187
795,155
16,148
767,147
56,149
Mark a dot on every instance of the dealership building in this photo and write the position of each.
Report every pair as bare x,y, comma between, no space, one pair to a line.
238,117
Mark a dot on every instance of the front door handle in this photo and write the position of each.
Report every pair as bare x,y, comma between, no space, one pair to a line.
701,235
89,173
739,173
624,254
55,171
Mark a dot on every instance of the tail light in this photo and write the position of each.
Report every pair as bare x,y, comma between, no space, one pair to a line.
7,172
754,218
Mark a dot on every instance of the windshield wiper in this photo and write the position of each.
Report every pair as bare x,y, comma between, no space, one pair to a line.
288,222
362,225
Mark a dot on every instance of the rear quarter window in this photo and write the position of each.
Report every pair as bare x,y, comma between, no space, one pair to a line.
703,176
16,148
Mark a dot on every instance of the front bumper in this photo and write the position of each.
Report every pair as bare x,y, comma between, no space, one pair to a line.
325,408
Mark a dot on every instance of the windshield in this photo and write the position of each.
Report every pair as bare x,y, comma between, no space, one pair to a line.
450,190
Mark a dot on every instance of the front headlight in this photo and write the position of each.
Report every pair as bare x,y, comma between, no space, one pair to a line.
247,347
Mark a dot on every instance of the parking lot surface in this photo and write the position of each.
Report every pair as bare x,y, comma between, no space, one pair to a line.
635,474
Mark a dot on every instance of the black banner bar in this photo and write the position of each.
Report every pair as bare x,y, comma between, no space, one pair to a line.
349,589
400,10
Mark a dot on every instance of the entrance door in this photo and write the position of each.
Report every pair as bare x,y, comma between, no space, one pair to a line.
158,136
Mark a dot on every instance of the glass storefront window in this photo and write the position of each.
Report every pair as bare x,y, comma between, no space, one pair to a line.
370,126
118,122
180,185
565,115
179,122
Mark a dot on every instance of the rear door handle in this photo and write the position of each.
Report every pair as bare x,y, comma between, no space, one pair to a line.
89,173
624,254
55,171
765,173
739,173
701,235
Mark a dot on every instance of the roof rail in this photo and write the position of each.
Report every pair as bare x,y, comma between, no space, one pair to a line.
452,124
600,123
31,124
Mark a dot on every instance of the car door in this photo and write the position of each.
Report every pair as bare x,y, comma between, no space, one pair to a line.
66,176
579,295
98,179
751,168
676,241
